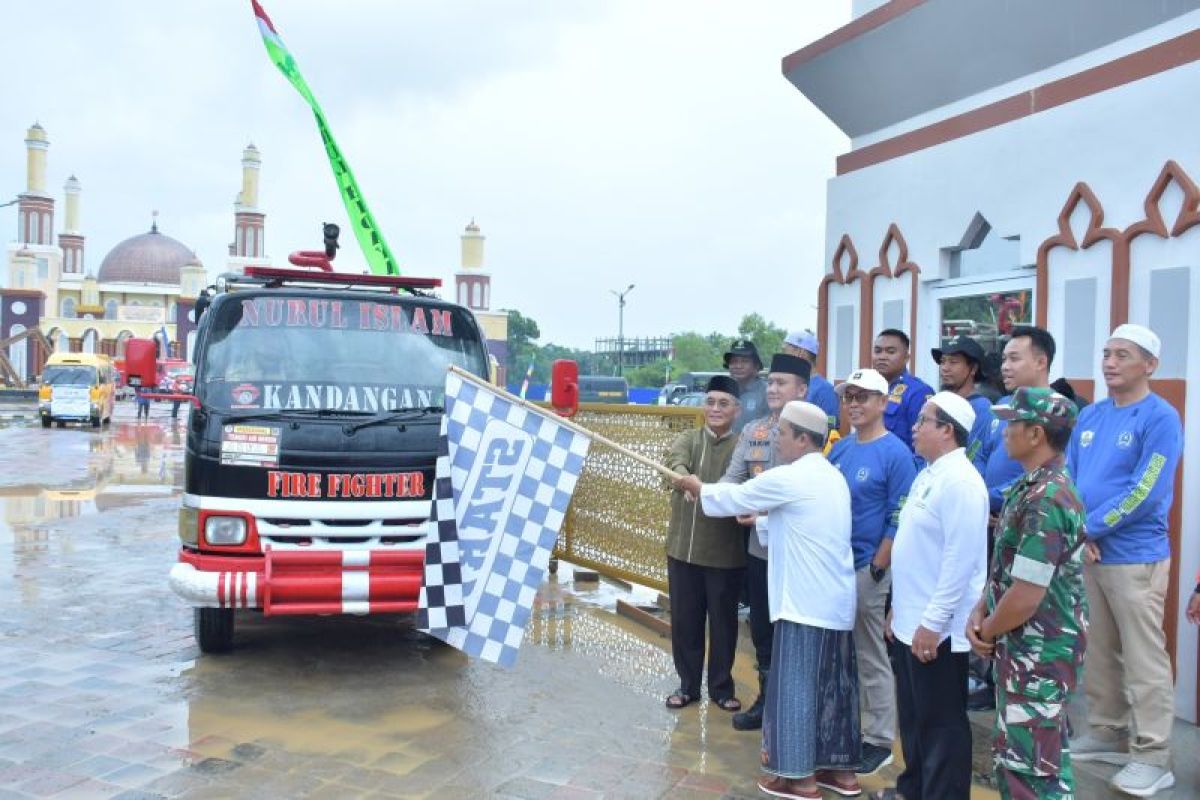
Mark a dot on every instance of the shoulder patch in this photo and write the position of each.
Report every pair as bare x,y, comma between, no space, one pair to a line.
1085,438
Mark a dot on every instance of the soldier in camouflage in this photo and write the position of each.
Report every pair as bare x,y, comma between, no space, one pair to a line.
1032,618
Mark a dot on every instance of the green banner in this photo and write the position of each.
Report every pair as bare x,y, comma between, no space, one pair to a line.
370,237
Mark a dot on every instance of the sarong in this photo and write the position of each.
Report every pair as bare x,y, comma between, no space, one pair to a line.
810,720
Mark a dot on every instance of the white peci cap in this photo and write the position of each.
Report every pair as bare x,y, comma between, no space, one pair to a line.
807,416
1142,336
869,379
957,407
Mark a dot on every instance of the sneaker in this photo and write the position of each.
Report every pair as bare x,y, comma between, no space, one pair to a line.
874,758
982,699
1142,780
1090,747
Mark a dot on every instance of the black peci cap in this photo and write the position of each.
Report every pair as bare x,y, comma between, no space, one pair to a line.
794,365
723,383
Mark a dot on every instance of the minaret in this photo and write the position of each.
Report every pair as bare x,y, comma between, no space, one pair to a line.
71,239
472,285
247,219
35,208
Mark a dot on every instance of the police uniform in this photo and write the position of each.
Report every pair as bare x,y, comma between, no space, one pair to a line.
1038,665
906,395
753,399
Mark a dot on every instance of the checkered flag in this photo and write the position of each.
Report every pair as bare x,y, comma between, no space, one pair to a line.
504,478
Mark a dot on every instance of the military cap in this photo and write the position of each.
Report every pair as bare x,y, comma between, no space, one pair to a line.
1041,406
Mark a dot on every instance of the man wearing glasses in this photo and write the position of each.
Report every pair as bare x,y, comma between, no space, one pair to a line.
705,557
879,469
938,570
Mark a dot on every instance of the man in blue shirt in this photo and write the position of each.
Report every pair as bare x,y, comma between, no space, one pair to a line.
1123,456
906,392
960,368
743,363
820,391
878,469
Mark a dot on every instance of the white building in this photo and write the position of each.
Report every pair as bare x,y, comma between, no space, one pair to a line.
1021,161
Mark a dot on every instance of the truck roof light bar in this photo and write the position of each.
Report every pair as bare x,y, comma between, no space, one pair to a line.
278,275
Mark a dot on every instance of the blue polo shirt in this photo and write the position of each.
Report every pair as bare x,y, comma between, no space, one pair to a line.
999,471
822,395
878,473
979,443
1123,460
906,395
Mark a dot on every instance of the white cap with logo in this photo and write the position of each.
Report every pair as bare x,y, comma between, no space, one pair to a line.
806,416
956,407
869,379
1140,335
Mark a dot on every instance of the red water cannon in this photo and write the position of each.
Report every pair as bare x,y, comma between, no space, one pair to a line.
564,387
321,259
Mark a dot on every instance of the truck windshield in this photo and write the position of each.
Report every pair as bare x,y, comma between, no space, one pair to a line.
69,376
372,355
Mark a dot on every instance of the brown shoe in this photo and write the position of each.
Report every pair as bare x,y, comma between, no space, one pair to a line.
786,788
846,787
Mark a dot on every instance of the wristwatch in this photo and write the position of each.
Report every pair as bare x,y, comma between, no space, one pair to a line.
877,573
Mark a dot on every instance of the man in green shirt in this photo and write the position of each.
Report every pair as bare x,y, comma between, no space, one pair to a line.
1032,618
706,557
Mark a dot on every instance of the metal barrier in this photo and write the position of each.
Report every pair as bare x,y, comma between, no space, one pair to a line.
617,521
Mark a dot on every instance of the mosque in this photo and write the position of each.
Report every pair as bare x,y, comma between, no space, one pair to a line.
146,286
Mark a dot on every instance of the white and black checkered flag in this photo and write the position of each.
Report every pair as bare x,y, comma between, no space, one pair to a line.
504,478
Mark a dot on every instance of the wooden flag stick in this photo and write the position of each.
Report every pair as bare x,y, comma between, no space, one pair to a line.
566,423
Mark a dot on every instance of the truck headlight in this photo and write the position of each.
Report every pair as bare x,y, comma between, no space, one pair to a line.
189,526
225,530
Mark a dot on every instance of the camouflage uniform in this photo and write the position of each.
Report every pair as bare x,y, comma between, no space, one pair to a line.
1040,540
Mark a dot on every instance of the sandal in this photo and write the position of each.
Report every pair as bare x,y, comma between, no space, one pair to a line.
680,699
730,704
782,787
827,780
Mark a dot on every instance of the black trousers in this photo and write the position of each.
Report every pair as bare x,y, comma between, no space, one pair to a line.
935,733
762,630
702,595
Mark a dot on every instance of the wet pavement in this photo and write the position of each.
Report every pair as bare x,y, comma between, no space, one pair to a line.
103,692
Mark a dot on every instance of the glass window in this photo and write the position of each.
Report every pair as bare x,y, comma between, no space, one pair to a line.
988,319
345,354
67,375
844,336
110,309
43,266
68,307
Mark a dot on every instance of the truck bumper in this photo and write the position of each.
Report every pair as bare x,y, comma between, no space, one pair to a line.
302,582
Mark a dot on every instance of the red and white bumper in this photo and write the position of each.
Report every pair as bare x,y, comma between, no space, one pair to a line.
303,581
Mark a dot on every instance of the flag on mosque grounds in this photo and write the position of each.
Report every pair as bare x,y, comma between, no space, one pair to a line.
505,474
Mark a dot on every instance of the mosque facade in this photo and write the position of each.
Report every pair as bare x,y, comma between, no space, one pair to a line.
147,285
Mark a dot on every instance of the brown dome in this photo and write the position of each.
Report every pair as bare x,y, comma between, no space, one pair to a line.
149,258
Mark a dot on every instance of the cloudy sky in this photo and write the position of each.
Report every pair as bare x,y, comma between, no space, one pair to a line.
596,144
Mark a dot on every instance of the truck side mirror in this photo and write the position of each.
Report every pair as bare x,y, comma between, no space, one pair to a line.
141,368
564,387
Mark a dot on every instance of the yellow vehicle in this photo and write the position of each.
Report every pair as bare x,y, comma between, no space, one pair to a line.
77,387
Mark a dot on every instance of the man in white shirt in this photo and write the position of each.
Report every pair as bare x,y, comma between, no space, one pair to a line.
810,722
939,564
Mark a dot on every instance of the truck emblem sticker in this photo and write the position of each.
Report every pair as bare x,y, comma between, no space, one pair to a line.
276,312
245,395
344,485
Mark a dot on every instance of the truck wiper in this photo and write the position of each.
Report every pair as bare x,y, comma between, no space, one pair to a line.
394,415
284,413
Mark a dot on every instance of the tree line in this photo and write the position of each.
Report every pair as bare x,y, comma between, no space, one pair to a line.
693,352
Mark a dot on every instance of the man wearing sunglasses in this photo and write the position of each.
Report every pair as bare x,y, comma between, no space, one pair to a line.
879,469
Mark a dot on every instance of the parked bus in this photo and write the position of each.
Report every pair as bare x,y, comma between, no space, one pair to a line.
77,387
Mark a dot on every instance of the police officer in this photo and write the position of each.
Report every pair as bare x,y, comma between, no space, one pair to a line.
820,391
754,453
960,370
906,392
1032,617
743,362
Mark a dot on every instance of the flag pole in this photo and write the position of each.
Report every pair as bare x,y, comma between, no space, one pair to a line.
566,423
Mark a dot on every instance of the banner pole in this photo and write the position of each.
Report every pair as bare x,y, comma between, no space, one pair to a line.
566,423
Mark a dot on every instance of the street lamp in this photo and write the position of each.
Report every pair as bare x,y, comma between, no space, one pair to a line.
621,328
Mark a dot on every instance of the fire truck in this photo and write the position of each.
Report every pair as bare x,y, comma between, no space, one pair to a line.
310,452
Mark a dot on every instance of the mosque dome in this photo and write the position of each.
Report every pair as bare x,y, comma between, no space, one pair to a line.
148,258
